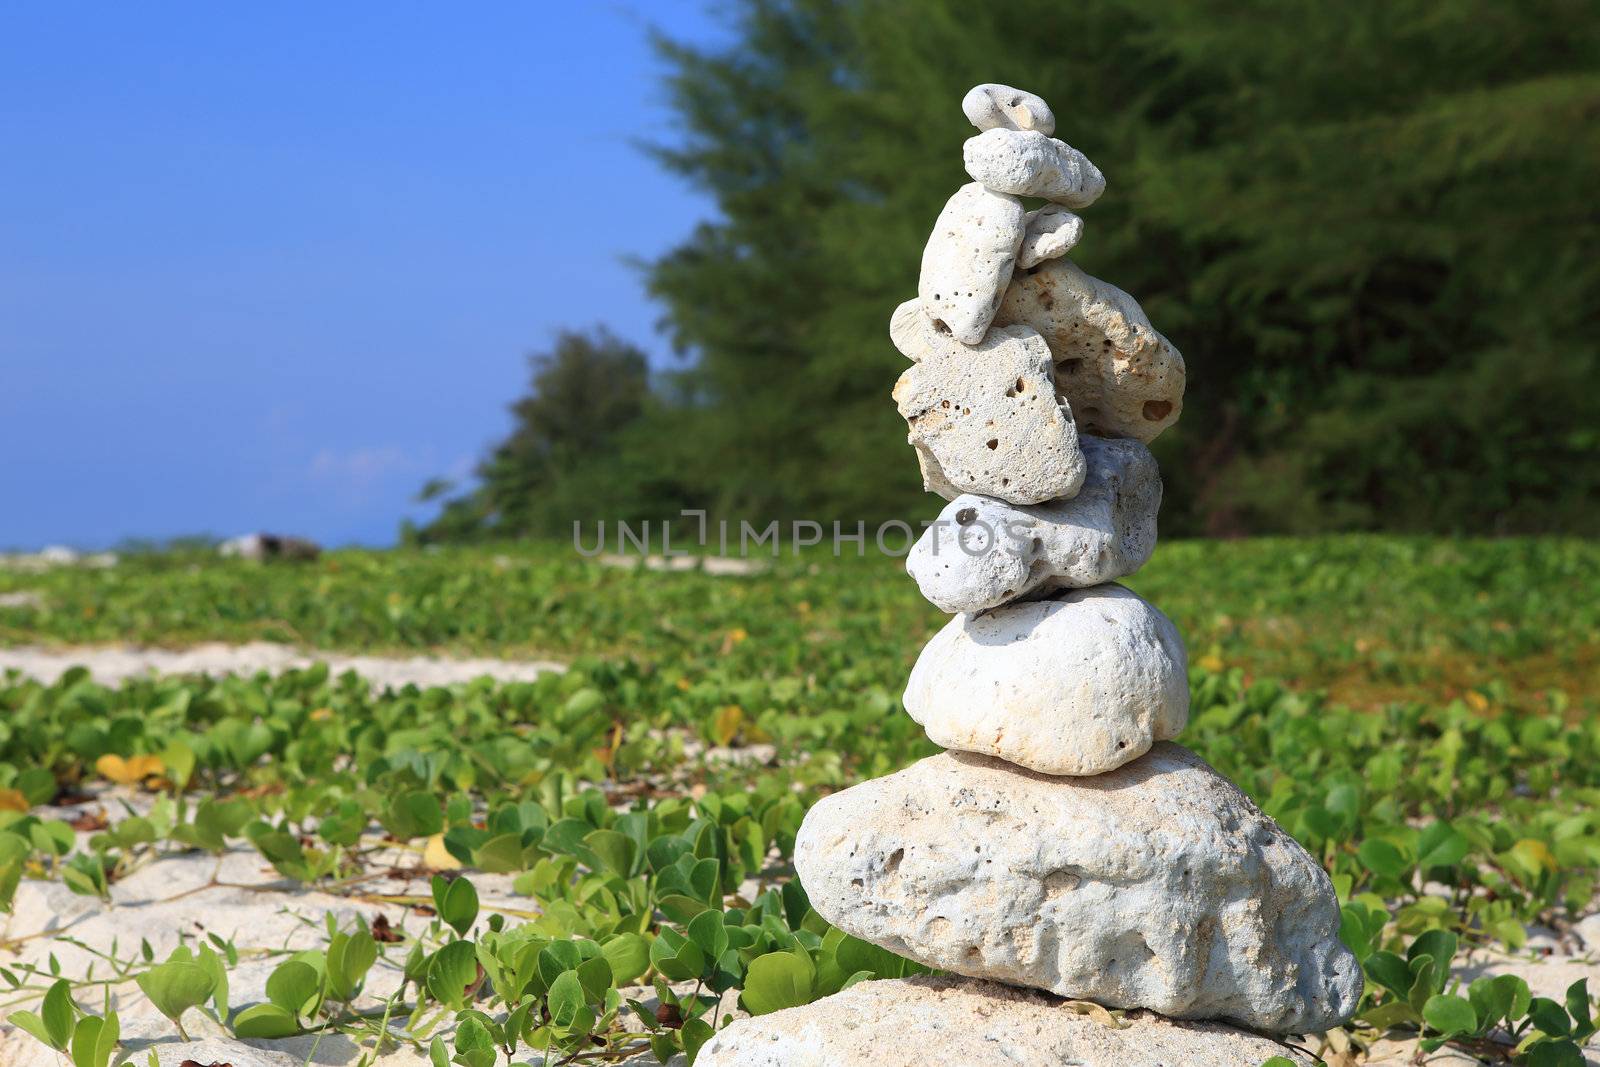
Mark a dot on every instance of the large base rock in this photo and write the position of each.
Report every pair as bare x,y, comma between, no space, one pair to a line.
1157,885
915,1022
1080,683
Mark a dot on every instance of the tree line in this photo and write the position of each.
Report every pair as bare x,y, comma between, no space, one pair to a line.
1369,226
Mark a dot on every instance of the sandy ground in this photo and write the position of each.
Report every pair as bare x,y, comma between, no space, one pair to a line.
111,665
163,900
178,897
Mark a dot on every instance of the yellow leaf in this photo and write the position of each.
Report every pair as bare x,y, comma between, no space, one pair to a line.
1535,854
683,684
1096,1012
128,771
1211,662
322,715
436,857
607,753
725,725
737,634
1476,700
13,800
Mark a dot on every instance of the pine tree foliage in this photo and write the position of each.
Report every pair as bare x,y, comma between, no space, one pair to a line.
1370,227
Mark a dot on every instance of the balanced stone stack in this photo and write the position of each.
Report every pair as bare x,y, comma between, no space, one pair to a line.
1063,843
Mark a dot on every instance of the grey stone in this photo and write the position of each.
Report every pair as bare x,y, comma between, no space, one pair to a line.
983,552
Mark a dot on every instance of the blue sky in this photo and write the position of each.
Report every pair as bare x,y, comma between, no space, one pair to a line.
274,266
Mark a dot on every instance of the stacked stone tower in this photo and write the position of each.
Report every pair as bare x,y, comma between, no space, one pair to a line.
1063,843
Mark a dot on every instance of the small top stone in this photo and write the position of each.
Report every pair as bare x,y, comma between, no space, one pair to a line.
992,106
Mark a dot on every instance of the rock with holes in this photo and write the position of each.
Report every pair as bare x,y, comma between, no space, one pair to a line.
912,1022
981,553
986,419
1048,233
1122,378
1157,885
968,260
1000,107
1079,683
1030,163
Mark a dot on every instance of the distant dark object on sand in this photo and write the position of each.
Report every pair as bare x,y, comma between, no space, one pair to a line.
266,546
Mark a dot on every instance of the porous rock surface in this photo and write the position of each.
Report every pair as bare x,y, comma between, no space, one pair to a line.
1158,885
1078,684
1122,378
983,552
1000,107
968,260
1048,233
1029,163
986,419
913,1022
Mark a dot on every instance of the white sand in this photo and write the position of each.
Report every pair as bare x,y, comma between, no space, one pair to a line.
113,664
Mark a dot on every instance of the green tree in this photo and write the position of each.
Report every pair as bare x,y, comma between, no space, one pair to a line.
1368,226
575,451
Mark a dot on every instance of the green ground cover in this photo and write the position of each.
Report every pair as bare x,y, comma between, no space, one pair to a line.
1367,620
1456,803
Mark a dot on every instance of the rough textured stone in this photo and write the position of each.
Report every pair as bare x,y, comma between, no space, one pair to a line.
1157,885
986,419
914,1022
1048,233
913,332
1000,107
1029,163
1080,683
968,260
1122,378
982,553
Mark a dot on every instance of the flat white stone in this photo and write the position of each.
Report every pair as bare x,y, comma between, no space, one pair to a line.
992,106
1157,885
1122,378
968,260
1030,163
986,419
1048,233
914,1022
983,552
1077,684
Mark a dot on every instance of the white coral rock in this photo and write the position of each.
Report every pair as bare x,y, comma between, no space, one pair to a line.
915,1022
1029,163
982,552
1157,885
1048,233
968,260
1000,107
985,419
1120,376
1077,684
